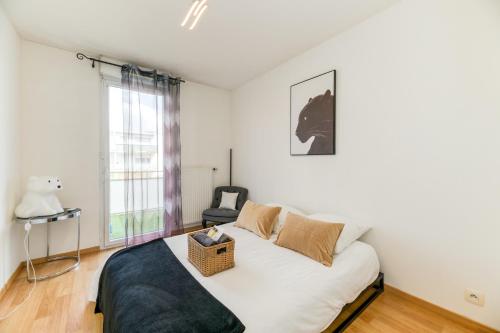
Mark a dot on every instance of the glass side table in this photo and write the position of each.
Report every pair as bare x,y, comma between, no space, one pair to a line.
68,214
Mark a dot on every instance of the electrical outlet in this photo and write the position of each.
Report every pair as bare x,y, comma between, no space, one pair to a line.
474,297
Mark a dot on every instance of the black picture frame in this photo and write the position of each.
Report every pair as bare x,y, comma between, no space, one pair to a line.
334,92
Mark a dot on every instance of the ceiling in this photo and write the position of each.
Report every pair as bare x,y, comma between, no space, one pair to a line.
235,41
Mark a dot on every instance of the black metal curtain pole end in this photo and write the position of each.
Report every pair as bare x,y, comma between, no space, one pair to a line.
81,56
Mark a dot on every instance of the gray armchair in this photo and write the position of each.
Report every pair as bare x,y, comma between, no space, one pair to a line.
224,215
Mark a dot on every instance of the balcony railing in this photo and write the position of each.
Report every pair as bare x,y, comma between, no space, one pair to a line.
147,221
138,175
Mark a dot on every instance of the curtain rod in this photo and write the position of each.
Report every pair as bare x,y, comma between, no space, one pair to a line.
81,56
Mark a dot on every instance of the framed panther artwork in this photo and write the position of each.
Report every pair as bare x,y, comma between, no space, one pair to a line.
312,116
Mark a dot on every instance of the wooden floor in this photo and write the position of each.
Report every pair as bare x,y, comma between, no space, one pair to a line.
395,311
60,305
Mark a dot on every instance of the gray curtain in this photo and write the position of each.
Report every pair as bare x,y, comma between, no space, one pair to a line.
172,199
151,155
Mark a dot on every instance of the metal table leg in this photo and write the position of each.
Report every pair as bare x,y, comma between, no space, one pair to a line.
78,245
48,240
28,255
48,259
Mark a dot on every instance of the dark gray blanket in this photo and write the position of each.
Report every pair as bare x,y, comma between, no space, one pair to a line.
146,289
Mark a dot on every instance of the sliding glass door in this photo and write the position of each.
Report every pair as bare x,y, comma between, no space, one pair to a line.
141,196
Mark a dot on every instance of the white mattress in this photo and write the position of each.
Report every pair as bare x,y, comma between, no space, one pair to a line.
273,289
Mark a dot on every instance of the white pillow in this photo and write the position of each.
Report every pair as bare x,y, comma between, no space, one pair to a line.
282,217
349,234
228,200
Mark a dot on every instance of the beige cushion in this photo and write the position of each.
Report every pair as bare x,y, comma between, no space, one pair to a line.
259,219
315,239
282,216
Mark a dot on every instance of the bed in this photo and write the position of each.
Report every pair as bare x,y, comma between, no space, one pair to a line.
273,289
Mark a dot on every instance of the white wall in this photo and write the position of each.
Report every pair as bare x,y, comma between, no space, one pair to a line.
418,145
61,114
60,101
206,128
10,234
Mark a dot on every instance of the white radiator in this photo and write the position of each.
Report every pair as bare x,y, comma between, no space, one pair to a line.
197,192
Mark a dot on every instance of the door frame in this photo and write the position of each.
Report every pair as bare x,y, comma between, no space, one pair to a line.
107,82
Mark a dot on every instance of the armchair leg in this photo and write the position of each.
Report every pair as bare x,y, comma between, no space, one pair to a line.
204,224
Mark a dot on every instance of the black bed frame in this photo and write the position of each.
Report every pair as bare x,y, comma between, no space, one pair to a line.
352,310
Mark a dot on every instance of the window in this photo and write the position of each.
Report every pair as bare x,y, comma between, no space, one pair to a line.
147,163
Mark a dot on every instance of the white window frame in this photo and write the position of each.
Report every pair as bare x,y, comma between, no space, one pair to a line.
107,82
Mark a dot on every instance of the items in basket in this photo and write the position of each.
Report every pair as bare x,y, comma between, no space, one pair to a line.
211,237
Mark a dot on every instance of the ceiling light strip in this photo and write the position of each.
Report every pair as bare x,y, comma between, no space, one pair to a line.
188,15
198,17
200,6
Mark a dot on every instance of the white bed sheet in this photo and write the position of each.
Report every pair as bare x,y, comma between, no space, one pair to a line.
273,289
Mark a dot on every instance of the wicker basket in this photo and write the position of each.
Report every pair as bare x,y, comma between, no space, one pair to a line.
213,259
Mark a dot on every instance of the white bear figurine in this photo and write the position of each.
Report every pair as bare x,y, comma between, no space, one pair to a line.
40,198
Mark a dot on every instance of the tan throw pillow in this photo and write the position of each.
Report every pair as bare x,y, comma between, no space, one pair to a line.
315,239
259,219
